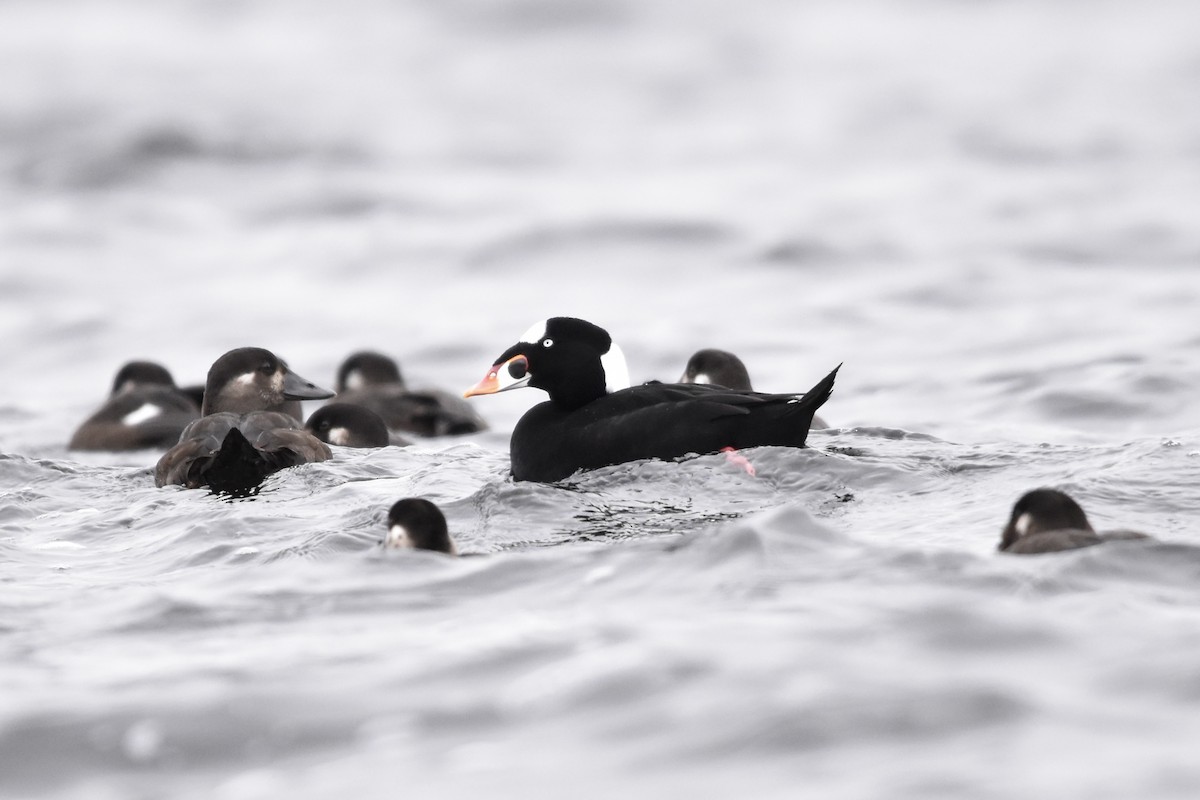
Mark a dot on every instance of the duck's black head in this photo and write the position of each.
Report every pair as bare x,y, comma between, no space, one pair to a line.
570,359
1043,510
718,367
348,425
136,374
253,379
417,523
367,368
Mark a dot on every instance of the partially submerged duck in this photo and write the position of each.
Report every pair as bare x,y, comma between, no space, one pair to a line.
373,380
144,410
244,434
594,418
1049,521
348,425
418,524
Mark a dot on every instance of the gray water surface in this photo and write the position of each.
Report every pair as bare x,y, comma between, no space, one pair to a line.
986,211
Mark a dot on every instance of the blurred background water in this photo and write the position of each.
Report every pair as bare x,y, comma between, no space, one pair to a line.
986,210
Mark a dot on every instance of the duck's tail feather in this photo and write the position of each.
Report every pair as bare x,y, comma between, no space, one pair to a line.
237,468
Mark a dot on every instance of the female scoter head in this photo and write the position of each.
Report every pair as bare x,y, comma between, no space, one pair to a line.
418,524
253,379
573,361
718,367
348,425
137,374
367,368
1040,511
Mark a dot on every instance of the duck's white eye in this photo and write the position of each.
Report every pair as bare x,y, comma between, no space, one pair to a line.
547,342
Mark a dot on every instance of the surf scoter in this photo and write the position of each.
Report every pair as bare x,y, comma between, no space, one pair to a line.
243,436
418,524
144,410
594,418
373,380
348,425
723,368
1049,521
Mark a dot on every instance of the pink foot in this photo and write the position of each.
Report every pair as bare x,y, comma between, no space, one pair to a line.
736,458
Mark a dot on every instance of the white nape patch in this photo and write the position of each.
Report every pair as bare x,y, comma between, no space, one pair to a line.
143,413
535,334
702,378
397,536
1023,523
339,436
616,373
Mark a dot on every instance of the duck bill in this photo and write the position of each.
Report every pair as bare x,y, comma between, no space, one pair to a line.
297,388
511,374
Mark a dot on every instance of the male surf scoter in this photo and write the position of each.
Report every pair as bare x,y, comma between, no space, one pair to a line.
144,410
373,380
1049,521
243,436
594,418
418,524
723,368
348,425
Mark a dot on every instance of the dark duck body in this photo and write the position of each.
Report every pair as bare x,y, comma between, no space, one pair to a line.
244,436
723,368
373,381
1049,521
144,410
594,418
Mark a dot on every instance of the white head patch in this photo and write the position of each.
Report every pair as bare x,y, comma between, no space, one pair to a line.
354,380
397,536
616,373
702,378
1023,523
535,334
144,412
339,436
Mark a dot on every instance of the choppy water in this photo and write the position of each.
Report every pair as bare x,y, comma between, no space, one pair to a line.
986,210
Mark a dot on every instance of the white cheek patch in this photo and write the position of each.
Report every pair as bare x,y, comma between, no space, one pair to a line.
535,334
143,413
702,378
277,383
354,381
397,536
339,436
616,373
1023,523
246,379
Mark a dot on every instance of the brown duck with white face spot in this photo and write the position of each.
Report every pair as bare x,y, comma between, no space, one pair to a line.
144,410
1049,521
245,433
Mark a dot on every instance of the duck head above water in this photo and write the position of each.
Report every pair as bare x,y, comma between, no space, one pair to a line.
368,368
719,367
572,360
137,374
1040,511
418,524
253,379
